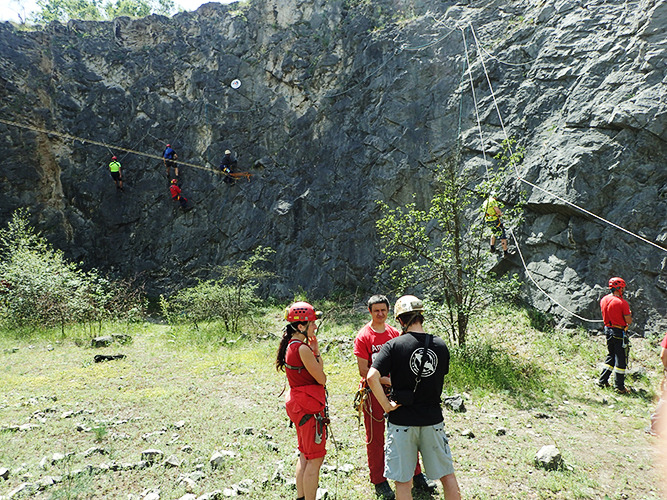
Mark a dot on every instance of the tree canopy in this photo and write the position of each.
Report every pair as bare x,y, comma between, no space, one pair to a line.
98,10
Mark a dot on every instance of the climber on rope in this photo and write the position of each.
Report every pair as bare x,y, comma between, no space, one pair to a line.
176,194
227,166
617,317
116,173
168,157
492,215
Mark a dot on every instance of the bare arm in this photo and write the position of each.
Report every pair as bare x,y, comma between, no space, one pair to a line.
373,379
663,358
628,318
363,366
313,364
498,212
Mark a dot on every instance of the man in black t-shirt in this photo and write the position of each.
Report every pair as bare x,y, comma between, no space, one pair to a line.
414,413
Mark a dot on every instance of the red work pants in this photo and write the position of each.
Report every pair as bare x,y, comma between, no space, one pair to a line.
374,424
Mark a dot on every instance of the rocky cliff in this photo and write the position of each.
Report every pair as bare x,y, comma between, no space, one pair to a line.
343,103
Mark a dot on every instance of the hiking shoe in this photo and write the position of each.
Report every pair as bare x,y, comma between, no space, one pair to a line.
602,384
384,491
493,248
623,390
422,483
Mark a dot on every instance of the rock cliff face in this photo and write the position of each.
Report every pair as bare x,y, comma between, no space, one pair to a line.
343,103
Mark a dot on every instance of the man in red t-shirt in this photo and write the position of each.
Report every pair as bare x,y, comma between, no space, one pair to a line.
367,344
617,317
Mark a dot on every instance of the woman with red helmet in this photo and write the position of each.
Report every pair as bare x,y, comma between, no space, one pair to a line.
299,356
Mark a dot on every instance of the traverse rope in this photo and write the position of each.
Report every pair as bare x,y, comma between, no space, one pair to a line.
99,143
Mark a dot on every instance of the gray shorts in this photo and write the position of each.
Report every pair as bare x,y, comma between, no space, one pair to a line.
402,445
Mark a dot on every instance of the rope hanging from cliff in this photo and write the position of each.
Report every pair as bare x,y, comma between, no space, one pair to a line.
111,147
520,178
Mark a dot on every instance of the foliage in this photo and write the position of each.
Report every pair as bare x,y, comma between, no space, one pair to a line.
485,366
95,10
438,250
40,288
227,298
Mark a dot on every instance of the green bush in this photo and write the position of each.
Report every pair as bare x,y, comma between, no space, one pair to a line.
39,288
228,298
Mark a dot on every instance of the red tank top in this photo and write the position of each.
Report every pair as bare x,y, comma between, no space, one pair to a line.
297,375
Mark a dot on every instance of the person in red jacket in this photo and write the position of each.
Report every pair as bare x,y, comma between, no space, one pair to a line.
617,317
176,194
305,401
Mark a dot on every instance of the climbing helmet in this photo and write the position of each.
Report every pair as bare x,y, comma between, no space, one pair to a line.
301,311
406,304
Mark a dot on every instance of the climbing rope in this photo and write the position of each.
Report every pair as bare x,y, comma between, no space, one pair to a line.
520,178
530,276
83,140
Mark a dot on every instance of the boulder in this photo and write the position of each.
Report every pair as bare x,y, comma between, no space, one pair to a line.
549,458
455,403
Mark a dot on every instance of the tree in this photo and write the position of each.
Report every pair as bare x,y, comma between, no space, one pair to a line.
95,10
228,298
439,249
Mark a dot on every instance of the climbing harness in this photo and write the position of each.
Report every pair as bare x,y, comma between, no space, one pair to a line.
362,404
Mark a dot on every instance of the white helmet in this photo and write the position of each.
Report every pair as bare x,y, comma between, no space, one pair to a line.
406,304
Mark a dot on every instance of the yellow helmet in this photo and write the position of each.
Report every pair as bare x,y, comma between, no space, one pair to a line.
406,304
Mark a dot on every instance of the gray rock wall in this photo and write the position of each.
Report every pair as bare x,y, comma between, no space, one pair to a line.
342,104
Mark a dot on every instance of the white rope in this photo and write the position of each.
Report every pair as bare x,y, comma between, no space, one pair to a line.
516,242
542,290
110,147
474,98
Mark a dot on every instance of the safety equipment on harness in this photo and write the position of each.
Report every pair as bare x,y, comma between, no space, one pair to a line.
360,398
616,282
406,304
301,311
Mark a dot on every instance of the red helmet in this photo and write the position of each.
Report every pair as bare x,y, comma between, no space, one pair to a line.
301,311
168,145
616,283
174,181
114,158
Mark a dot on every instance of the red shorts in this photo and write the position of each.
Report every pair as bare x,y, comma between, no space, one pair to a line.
305,435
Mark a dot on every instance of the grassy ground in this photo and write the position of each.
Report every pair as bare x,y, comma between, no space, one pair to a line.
191,393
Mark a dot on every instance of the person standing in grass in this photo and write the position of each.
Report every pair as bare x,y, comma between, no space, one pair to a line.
305,401
370,339
616,316
418,363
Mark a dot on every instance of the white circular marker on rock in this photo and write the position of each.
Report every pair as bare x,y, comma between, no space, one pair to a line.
236,83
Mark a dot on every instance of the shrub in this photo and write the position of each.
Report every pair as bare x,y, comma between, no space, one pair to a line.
229,297
40,288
